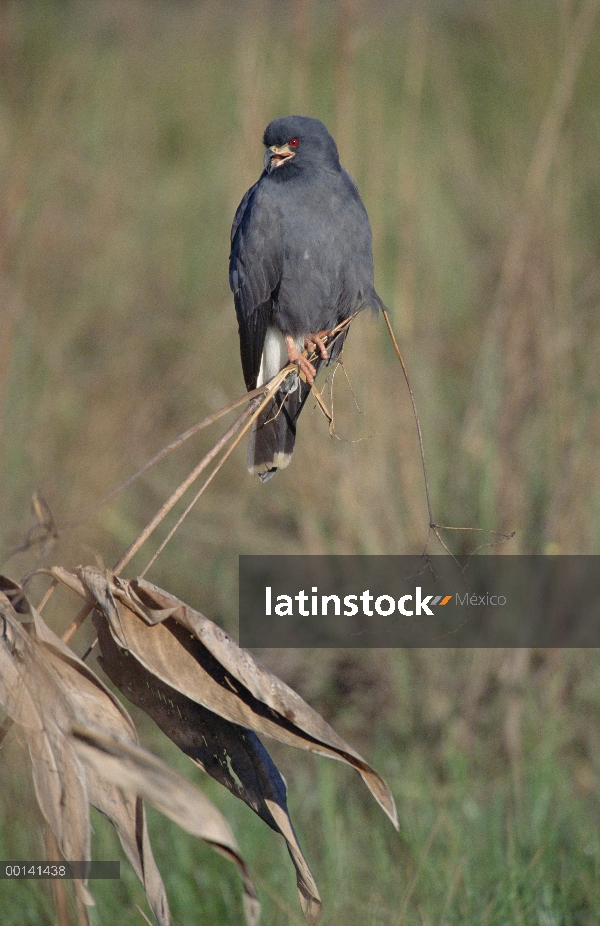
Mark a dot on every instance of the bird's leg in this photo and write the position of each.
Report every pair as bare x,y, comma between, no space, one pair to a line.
314,342
294,356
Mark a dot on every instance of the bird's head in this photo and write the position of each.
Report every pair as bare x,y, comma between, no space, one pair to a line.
297,143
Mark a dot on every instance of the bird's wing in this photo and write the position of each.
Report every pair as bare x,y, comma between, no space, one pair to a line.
241,209
254,273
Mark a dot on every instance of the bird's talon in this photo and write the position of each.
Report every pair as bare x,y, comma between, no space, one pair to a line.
304,365
314,342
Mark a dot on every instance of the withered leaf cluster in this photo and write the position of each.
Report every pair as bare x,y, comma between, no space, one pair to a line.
210,697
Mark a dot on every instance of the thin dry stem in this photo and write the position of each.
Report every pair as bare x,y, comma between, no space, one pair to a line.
329,415
48,595
76,624
341,364
200,492
182,488
416,414
321,403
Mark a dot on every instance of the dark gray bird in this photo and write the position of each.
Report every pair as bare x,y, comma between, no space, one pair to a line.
300,263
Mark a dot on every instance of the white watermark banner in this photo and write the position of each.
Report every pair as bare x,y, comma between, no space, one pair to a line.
415,601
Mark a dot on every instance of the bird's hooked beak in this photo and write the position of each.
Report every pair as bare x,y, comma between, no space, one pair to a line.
276,156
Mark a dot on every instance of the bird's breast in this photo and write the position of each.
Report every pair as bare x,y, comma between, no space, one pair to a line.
325,249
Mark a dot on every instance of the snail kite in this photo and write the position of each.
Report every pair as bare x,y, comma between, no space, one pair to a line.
300,263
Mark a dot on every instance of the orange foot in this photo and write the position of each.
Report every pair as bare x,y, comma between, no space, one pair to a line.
313,344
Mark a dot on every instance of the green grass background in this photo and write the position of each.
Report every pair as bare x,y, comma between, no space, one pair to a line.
129,131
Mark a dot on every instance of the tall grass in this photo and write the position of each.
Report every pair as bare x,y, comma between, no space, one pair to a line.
129,131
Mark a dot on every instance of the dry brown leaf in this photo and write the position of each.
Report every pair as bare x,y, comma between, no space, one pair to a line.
135,769
190,653
229,753
124,809
184,671
54,690
32,700
15,697
61,790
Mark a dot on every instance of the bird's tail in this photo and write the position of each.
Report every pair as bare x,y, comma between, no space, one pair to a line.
274,432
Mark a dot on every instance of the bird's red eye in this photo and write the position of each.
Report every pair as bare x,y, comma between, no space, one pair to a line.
294,142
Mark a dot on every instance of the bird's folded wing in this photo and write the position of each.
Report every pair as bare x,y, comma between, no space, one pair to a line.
254,272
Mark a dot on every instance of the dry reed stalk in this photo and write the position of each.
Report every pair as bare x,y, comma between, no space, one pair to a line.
255,407
182,488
